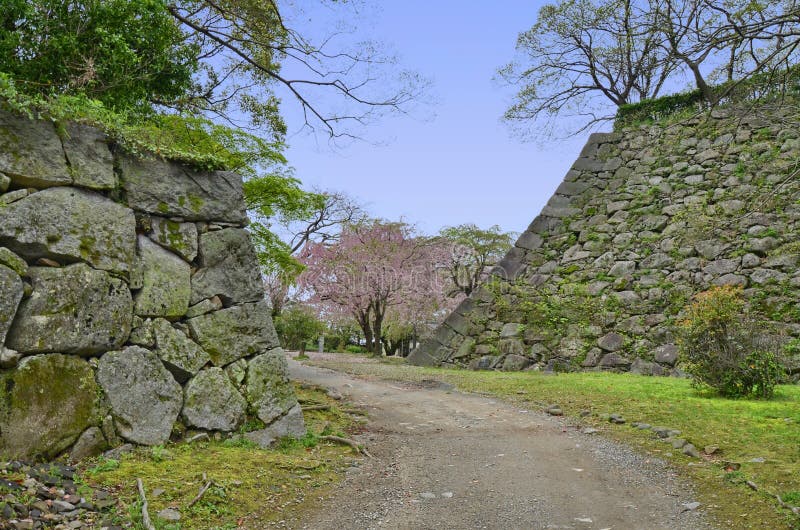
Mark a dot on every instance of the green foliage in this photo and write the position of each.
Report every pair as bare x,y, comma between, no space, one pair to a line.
550,309
278,196
308,440
474,251
124,53
354,348
104,465
651,110
727,348
296,326
792,498
757,87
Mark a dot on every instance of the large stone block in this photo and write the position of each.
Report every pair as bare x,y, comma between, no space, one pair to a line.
178,352
172,190
425,354
211,402
236,332
229,268
290,424
48,401
180,238
11,290
269,391
165,277
70,224
74,309
145,399
515,363
31,153
90,161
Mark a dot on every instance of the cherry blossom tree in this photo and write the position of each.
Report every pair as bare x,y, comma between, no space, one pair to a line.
377,272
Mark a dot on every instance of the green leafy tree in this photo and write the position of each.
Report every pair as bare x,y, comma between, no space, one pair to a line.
124,53
296,326
472,253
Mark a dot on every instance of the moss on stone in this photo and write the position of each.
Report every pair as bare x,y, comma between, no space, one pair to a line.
47,402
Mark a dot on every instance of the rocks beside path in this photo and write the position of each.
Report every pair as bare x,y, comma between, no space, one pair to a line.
47,496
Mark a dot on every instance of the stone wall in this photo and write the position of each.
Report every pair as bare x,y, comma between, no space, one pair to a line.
644,219
131,304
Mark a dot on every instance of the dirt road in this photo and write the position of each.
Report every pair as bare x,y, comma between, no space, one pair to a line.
444,459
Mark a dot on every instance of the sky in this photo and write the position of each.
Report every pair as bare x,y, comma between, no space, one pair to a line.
458,163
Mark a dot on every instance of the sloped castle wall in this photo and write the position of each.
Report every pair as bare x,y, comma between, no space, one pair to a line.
644,219
130,299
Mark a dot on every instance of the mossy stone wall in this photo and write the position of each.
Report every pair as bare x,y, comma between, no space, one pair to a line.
113,302
645,218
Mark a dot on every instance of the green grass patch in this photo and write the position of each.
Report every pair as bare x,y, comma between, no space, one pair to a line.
743,429
253,487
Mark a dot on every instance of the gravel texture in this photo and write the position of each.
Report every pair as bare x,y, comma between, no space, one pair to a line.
444,459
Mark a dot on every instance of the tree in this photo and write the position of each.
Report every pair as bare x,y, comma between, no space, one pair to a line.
374,269
296,326
124,53
582,55
243,45
472,252
728,41
584,58
312,217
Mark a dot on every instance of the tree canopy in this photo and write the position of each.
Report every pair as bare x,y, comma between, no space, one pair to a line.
124,53
472,253
215,58
583,59
376,273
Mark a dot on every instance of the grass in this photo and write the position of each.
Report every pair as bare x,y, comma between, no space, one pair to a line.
742,429
253,487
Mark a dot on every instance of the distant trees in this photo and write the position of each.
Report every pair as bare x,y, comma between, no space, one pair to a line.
296,326
472,251
316,217
377,272
584,57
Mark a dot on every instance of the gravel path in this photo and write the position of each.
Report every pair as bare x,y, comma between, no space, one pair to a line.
444,459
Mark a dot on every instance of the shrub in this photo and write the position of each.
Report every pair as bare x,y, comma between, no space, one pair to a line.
728,348
297,327
354,348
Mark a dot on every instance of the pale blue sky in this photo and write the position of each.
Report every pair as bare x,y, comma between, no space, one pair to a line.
462,165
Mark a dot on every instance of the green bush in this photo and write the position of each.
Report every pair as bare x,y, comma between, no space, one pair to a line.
729,349
354,348
297,327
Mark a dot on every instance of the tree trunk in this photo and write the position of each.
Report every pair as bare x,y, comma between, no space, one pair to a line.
363,322
377,331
